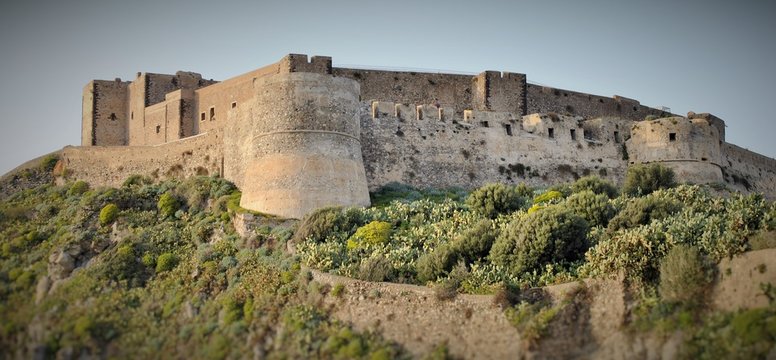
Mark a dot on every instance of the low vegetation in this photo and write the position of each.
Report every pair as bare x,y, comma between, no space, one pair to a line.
153,268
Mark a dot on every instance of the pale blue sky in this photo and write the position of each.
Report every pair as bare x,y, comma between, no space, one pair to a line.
704,56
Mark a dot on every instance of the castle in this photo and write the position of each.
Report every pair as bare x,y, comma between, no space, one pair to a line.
300,134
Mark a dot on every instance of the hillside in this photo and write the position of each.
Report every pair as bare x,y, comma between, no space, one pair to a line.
177,269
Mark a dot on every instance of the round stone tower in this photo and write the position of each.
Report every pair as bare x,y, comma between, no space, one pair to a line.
691,147
298,143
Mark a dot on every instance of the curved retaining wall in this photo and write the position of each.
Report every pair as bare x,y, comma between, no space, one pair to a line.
296,145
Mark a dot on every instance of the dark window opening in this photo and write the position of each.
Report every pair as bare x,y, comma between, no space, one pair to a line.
202,117
551,132
112,116
573,134
132,115
212,113
508,128
586,133
671,136
234,105
617,136
158,128
419,113
704,159
484,123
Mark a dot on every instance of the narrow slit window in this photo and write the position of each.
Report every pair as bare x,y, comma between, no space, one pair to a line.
212,113
158,128
132,115
202,117
234,104
573,133
551,133
617,137
419,112
671,136
508,128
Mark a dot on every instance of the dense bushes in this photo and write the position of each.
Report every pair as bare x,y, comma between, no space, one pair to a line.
468,247
494,199
326,222
642,211
684,275
547,236
596,185
591,207
166,262
645,179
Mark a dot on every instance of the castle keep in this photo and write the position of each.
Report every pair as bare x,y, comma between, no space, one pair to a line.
300,134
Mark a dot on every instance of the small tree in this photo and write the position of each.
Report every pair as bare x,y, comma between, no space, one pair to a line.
645,179
596,185
494,199
553,234
374,233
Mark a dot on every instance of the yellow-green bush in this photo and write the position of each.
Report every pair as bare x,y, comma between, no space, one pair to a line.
108,214
166,262
374,233
596,185
167,205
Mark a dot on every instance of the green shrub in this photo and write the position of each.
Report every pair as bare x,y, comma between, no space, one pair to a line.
166,262
78,188
550,196
684,275
494,199
108,214
137,180
596,185
338,290
548,236
591,207
642,211
83,327
475,242
326,222
167,205
645,179
49,162
149,260
374,233
376,268
436,264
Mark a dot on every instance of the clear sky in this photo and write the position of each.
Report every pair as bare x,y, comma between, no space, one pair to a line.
705,56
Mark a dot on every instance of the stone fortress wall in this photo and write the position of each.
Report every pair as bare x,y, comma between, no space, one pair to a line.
300,134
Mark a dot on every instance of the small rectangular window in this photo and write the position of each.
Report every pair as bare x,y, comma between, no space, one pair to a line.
573,134
551,133
212,113
132,115
419,113
617,137
484,124
508,128
202,117
671,136
158,128
234,104
112,116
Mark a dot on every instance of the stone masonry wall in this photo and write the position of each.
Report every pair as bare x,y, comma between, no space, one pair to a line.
541,99
745,170
110,166
454,152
